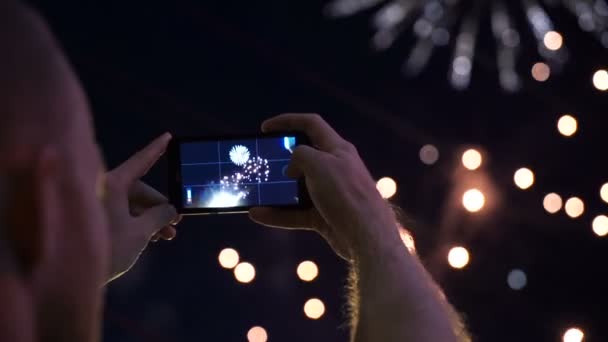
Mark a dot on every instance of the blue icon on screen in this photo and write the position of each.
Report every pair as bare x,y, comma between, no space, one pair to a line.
189,196
289,143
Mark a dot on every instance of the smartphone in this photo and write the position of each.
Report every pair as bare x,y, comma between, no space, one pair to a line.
231,174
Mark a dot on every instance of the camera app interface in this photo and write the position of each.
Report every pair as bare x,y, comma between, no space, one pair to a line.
238,173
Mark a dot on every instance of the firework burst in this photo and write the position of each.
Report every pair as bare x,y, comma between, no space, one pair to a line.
254,170
239,155
439,23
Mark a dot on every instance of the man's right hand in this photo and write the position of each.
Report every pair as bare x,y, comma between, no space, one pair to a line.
137,213
348,210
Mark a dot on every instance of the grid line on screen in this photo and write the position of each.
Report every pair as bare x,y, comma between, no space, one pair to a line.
256,183
219,160
257,152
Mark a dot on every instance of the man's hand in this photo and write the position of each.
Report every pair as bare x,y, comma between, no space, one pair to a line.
340,186
392,296
137,213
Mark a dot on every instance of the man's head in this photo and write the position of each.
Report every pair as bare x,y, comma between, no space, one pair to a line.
52,217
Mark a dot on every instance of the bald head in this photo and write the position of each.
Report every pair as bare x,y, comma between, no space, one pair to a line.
41,101
52,222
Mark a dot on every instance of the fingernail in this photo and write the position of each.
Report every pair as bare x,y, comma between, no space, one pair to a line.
176,219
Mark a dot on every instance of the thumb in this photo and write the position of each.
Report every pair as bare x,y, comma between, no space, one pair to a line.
155,218
282,218
305,160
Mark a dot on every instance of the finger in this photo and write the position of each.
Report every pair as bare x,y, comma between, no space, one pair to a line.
318,130
305,160
142,197
282,218
176,221
139,164
167,233
294,171
154,219
145,196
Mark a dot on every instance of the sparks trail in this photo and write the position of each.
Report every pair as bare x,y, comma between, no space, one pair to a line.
436,23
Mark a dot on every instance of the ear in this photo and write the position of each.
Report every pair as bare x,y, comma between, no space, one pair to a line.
31,204
16,317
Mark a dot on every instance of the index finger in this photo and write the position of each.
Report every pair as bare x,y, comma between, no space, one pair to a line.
139,164
321,134
146,195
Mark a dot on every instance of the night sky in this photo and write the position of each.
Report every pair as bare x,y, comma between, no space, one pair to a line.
210,68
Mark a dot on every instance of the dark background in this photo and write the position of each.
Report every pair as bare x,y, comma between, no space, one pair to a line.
211,67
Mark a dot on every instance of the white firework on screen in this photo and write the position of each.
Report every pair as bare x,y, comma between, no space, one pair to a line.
239,155
234,187
225,199
256,170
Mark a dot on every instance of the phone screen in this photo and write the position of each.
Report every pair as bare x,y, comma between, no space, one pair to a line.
237,172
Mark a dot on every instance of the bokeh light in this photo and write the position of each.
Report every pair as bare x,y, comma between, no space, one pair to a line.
524,178
604,192
429,154
600,80
314,308
541,72
471,159
567,125
517,279
228,258
553,203
600,225
387,187
257,334
575,207
473,200
244,272
553,40
458,257
574,335
307,270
